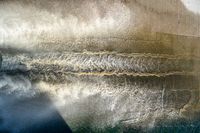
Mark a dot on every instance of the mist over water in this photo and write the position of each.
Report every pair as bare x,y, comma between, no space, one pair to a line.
99,66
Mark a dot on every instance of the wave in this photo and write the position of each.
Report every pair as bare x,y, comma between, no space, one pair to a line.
105,89
99,63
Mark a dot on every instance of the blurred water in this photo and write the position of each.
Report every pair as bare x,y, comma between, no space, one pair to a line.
21,113
113,104
99,66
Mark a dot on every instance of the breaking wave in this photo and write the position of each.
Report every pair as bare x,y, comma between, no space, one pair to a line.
105,89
